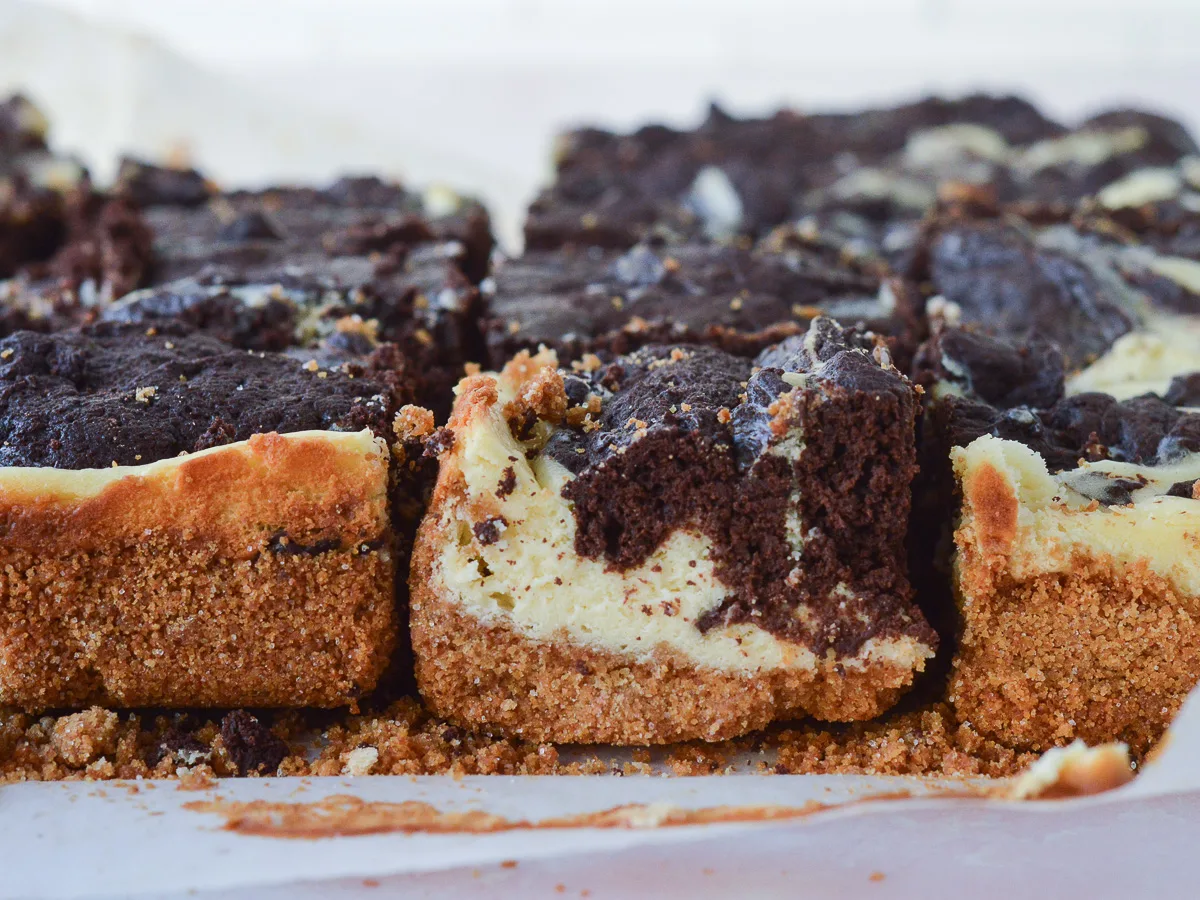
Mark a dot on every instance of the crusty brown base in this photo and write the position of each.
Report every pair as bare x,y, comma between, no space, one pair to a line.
161,625
259,574
1100,653
486,675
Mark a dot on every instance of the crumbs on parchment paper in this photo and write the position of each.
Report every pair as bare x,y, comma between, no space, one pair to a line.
405,739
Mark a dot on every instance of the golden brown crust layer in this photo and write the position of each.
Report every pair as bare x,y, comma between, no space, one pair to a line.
487,675
205,587
230,499
1101,653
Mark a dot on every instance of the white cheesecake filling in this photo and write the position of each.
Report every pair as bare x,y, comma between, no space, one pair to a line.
39,483
1140,187
1145,361
947,144
1056,520
531,578
1083,148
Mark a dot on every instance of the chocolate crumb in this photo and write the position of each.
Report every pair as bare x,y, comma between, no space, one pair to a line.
250,744
441,441
507,483
488,531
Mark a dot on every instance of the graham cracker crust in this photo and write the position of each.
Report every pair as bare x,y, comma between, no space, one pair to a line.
258,574
486,675
1102,653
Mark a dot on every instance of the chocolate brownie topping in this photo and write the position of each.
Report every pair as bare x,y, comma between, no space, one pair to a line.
1015,391
815,431
999,277
113,393
734,176
352,217
590,300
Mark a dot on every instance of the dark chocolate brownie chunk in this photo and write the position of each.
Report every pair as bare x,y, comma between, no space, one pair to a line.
797,465
104,253
590,300
995,370
251,746
113,393
732,176
64,247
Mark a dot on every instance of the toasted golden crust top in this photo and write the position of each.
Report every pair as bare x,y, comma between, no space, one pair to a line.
309,487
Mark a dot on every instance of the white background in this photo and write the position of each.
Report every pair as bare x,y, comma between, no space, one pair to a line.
471,91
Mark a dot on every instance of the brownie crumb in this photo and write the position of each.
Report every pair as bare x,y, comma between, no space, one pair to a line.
250,744
441,441
488,531
413,422
182,747
507,483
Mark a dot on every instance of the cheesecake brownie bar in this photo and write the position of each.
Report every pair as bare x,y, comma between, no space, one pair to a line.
188,524
585,300
680,544
1071,415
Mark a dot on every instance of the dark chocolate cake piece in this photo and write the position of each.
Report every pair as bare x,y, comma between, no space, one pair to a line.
32,218
190,524
198,227
680,544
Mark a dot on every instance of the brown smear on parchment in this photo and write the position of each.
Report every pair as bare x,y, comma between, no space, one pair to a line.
343,815
1071,774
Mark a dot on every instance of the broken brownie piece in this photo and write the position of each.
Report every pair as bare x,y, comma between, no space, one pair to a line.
587,300
187,524
683,544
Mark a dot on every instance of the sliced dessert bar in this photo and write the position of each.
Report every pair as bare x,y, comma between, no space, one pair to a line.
1080,589
681,544
1076,449
185,524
